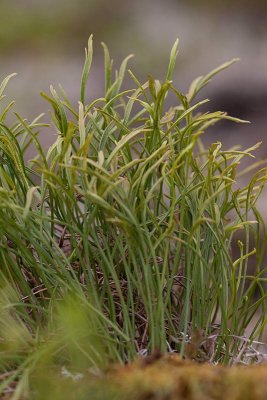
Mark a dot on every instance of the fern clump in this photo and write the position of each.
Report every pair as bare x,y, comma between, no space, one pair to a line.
118,240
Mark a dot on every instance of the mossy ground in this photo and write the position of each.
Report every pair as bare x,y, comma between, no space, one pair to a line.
161,378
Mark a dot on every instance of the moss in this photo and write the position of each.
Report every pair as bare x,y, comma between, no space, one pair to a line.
171,378
166,378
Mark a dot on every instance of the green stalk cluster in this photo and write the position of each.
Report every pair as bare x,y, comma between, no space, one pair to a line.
118,240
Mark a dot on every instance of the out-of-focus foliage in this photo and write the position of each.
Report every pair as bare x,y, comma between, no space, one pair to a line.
54,25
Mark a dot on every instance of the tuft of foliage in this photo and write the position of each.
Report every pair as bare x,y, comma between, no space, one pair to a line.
118,240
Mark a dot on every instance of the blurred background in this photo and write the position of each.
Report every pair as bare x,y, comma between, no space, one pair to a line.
44,41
